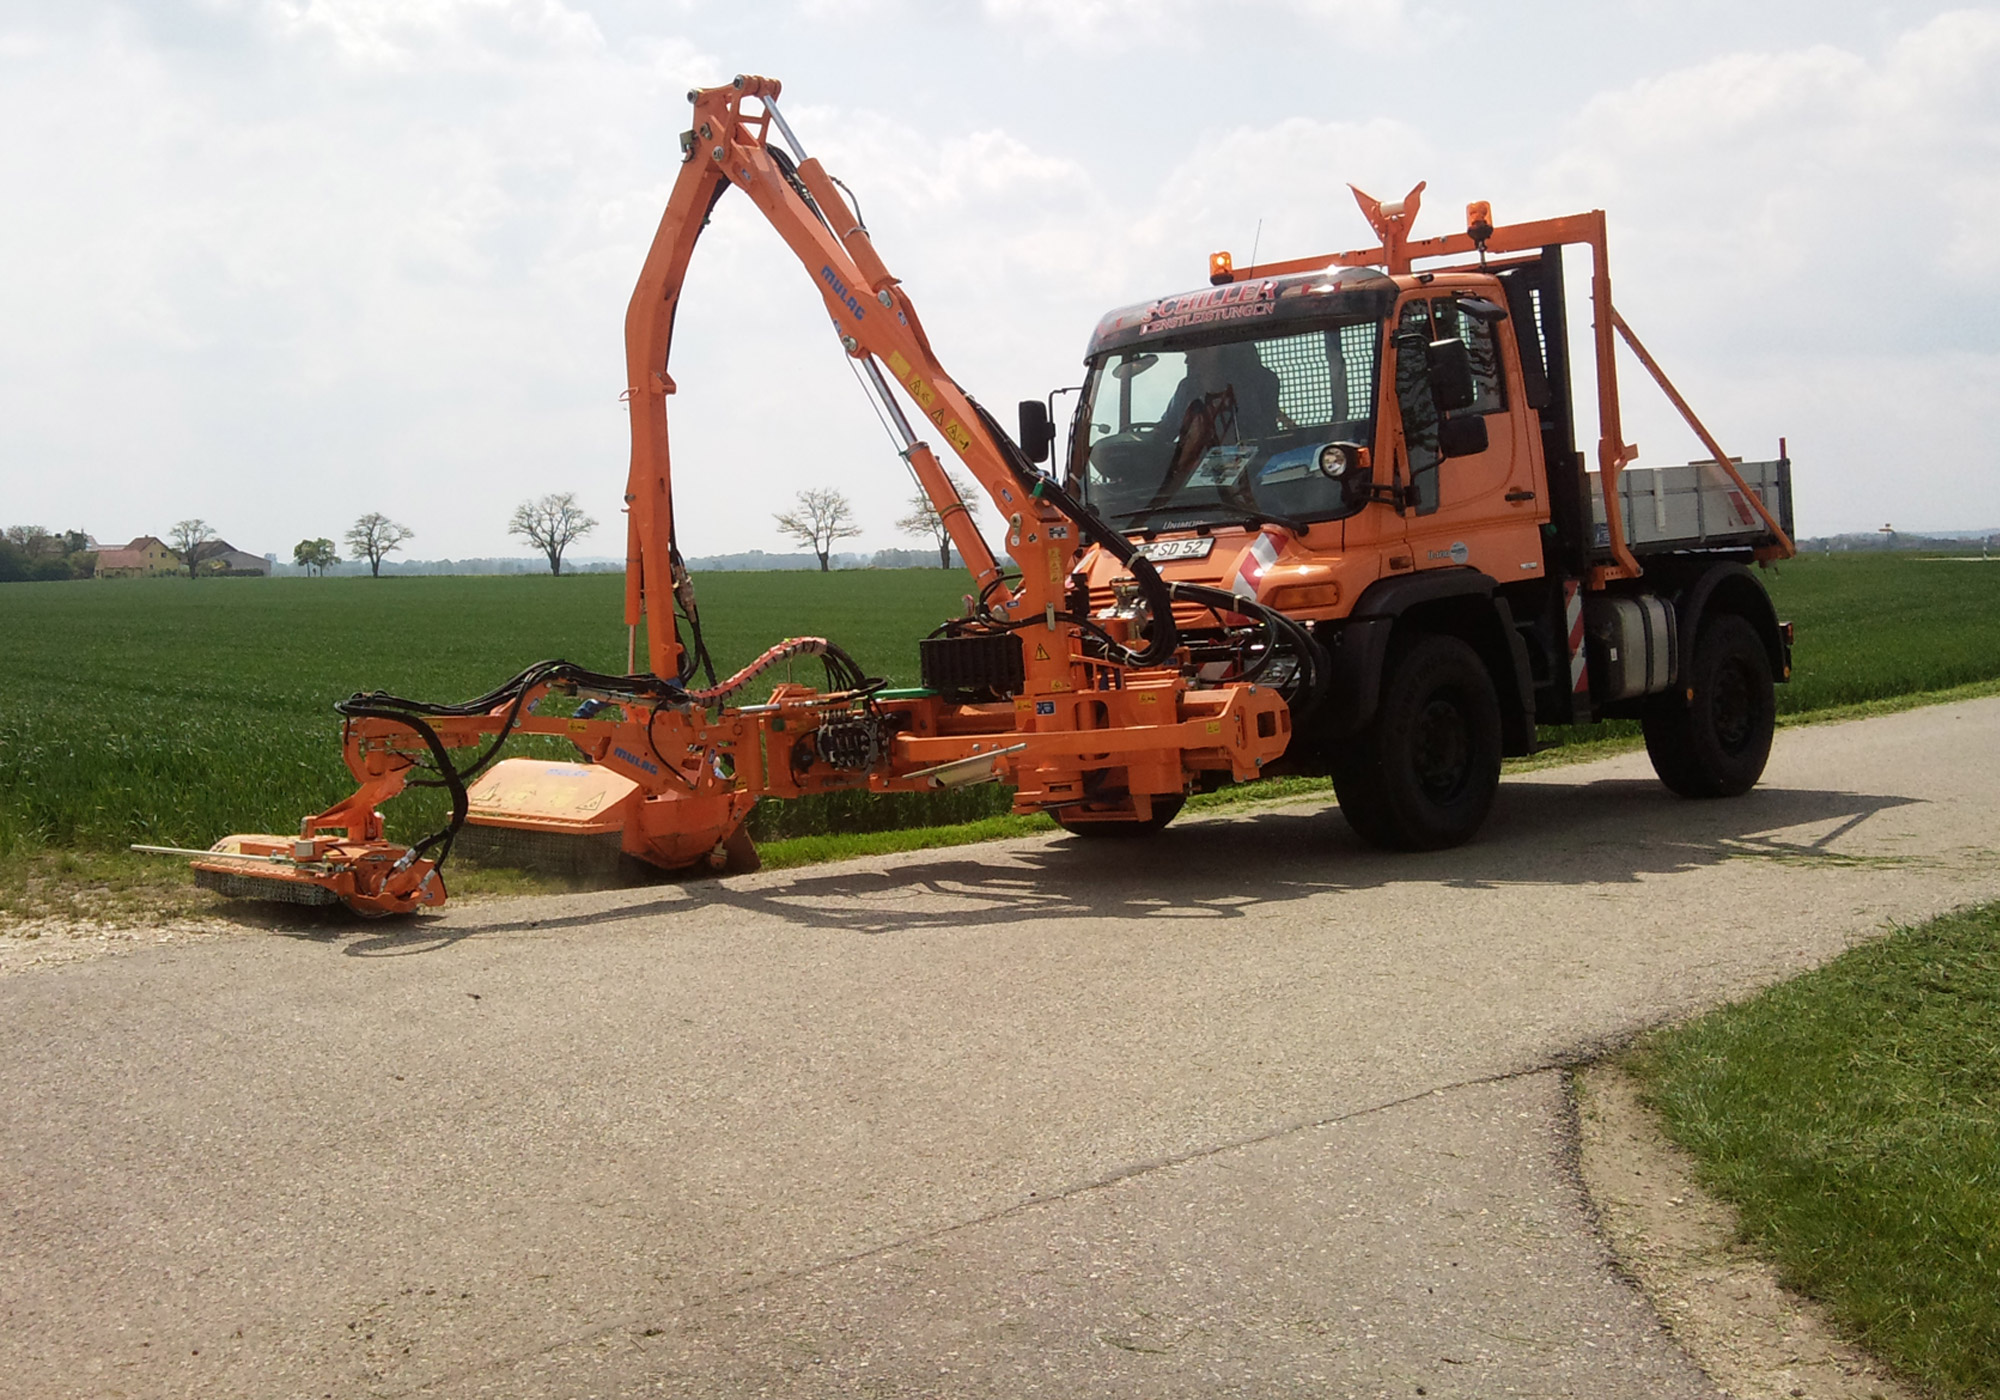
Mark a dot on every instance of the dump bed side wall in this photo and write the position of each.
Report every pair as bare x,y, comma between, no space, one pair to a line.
1695,506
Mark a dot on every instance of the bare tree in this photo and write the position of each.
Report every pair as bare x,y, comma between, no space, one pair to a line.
926,519
374,535
816,519
551,525
315,555
194,541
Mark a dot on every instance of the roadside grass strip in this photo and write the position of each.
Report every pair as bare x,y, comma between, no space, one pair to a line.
1852,1115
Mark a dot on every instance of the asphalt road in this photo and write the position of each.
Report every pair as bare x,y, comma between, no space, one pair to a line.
1246,1110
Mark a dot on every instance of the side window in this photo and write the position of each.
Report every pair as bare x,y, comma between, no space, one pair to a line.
1449,319
1419,410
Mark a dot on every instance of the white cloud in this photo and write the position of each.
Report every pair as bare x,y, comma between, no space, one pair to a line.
1816,224
401,35
1233,30
370,281
326,257
1781,168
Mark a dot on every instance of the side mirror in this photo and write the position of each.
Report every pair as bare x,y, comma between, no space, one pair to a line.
1462,437
1450,374
1037,433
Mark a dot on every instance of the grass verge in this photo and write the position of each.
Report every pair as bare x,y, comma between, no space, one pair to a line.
1852,1115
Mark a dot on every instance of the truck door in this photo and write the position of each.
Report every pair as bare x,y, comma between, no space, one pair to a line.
1478,508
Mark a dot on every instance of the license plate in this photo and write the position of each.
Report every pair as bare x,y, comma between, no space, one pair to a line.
1160,551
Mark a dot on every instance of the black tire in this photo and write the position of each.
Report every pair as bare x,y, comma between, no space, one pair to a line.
1710,736
1359,797
1165,809
1422,775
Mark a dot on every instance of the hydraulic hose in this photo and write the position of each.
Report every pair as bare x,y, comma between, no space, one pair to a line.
1164,639
1315,667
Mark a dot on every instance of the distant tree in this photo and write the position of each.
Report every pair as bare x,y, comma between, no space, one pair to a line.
925,518
314,556
551,525
816,519
194,541
374,536
31,553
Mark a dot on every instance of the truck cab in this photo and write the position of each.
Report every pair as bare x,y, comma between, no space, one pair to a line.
1390,460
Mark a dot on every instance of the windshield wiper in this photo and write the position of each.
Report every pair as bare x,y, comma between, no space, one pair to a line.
1235,515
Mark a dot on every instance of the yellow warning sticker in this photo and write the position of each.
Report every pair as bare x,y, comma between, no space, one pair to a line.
955,434
1215,726
578,726
1041,653
1149,699
899,366
921,392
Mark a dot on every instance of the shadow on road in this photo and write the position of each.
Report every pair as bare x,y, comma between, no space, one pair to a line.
1610,831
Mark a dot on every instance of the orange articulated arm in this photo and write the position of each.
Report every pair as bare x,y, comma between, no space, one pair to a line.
877,327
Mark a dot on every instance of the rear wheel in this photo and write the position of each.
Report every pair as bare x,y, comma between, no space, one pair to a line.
1711,736
1165,809
1423,774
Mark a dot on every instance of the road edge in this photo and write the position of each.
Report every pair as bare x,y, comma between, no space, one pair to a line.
1723,1304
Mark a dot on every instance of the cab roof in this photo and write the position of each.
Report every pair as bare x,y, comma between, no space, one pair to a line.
1344,293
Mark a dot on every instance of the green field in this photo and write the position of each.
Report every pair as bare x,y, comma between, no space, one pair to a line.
172,712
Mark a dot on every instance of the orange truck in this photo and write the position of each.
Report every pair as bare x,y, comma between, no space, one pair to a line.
1386,454
1321,516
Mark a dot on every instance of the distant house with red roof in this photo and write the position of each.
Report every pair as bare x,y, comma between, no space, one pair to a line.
146,557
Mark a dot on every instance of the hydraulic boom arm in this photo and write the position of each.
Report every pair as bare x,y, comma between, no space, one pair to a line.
878,328
1092,719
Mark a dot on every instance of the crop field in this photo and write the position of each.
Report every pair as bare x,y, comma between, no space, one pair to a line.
172,712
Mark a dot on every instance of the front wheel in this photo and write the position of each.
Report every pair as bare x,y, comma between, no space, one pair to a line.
1423,775
1711,736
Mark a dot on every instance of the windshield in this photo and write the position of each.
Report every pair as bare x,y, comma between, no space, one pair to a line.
1215,433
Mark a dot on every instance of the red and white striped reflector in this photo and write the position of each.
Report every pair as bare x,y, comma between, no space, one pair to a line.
1579,671
1256,561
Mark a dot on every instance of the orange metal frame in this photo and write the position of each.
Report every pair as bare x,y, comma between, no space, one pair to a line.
1398,251
700,768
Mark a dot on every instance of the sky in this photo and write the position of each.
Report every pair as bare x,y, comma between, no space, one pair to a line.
279,263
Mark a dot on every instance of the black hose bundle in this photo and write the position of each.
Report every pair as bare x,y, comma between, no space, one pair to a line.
843,674
411,714
1162,640
1285,636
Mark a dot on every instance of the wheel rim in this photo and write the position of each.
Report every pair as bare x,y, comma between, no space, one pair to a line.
1443,750
1732,710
